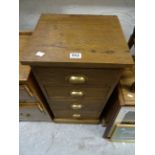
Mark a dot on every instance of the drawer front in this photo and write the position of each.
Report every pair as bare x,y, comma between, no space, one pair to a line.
66,88
25,95
77,76
76,92
76,105
76,115
33,114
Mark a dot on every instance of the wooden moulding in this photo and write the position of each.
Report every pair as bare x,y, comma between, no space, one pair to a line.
83,121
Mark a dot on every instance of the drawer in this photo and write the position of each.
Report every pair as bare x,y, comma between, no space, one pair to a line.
64,76
32,113
75,105
78,92
76,115
25,95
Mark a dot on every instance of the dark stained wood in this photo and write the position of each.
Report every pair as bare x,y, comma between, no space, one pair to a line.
83,114
111,107
60,76
54,88
89,109
90,105
88,92
99,39
131,41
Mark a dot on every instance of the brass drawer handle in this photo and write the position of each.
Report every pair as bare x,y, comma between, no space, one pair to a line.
76,115
77,79
76,93
28,90
76,106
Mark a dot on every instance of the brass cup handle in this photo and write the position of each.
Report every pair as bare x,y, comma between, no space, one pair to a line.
76,93
76,106
77,79
76,115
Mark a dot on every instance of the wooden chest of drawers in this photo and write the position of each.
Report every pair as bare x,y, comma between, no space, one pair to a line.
31,100
77,61
120,111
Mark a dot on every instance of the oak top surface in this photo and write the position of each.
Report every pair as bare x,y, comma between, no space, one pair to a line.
127,78
24,70
99,39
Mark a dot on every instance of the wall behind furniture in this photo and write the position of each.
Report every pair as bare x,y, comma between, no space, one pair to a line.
30,11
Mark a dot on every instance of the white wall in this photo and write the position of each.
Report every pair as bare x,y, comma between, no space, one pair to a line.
30,11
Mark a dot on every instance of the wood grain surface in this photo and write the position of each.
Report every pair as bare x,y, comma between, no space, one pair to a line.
99,39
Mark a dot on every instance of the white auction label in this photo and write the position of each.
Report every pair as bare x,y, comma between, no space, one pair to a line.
40,53
75,55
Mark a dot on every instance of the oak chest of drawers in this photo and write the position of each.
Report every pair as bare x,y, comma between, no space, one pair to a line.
31,100
77,61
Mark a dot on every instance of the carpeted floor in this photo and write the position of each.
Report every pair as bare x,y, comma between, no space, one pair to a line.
68,139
